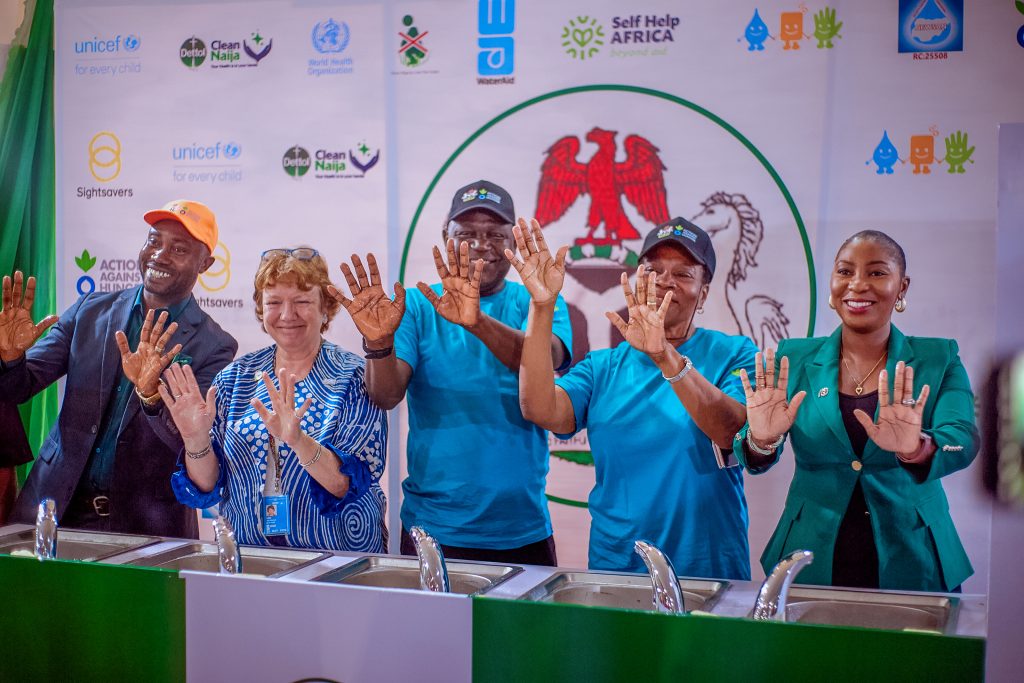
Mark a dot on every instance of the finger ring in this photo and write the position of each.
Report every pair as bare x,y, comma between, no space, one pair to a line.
159,349
176,396
908,402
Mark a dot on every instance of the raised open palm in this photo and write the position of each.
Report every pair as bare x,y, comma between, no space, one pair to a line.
899,423
769,414
17,331
645,330
459,302
192,414
143,366
375,315
542,274
284,418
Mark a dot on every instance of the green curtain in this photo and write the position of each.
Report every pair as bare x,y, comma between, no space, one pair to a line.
27,228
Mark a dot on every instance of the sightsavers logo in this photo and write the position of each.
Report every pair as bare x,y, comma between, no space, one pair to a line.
330,38
107,55
791,26
225,54
218,275
211,163
103,155
921,157
216,279
496,23
113,275
931,26
354,162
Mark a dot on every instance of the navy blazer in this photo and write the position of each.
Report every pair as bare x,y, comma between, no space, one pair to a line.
81,345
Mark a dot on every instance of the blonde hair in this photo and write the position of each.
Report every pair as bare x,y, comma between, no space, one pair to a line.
306,274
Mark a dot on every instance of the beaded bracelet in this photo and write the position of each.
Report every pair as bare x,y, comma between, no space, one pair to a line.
772,447
316,456
198,455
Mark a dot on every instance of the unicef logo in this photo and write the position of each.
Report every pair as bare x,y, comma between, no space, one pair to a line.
296,162
330,36
232,150
131,42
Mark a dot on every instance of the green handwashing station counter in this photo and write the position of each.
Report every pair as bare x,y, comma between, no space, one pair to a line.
117,607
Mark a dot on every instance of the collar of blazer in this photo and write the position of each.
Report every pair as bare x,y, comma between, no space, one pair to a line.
823,373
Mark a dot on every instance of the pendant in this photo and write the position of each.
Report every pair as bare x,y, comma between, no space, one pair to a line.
859,390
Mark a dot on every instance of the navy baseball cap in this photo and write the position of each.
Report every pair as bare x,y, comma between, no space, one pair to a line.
484,195
680,231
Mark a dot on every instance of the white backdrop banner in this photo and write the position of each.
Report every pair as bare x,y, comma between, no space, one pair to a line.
781,127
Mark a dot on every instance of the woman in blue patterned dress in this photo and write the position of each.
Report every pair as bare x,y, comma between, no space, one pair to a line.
297,447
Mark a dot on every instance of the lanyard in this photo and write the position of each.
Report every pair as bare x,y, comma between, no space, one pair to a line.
272,479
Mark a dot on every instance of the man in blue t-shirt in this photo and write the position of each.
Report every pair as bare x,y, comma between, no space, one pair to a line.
662,469
477,469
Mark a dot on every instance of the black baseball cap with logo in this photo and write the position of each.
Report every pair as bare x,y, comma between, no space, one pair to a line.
484,195
680,231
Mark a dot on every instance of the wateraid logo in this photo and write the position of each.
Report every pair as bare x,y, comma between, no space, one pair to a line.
97,45
496,24
197,152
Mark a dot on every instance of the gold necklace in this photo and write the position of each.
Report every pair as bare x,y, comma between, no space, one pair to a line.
859,389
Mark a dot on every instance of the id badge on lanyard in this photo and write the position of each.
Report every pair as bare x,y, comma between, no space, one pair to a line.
274,508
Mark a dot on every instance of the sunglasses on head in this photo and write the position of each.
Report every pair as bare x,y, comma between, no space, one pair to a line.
302,253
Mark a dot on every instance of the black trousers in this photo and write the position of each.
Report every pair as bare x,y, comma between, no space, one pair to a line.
541,553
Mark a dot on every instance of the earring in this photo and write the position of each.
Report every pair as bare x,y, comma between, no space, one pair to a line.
830,303
324,321
901,305
700,309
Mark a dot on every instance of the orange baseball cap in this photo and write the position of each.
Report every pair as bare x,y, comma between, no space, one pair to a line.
193,216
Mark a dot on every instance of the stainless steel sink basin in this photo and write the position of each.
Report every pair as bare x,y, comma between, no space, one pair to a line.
257,560
625,591
73,544
868,609
464,578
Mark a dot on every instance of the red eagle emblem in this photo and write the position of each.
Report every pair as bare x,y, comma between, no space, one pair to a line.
563,179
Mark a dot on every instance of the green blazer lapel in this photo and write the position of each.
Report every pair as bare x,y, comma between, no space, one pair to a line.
823,373
899,350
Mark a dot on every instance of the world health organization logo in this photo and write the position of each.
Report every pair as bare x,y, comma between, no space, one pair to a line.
105,156
329,36
296,162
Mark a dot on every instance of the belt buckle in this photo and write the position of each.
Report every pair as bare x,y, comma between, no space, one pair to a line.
101,504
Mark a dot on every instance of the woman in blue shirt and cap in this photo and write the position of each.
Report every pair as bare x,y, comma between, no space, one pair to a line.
660,469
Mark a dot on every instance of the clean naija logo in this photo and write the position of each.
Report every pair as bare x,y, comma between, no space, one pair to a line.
330,163
582,37
225,54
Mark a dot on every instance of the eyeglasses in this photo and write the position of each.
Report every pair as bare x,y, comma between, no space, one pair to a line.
302,253
496,238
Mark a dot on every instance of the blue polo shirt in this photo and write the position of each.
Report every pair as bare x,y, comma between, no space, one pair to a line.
477,469
657,476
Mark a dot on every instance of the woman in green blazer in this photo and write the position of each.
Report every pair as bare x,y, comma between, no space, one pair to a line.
866,496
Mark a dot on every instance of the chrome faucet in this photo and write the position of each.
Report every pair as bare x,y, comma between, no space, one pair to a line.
229,558
771,600
667,596
46,530
433,571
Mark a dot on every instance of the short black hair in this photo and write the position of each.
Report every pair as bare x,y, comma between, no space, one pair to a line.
888,243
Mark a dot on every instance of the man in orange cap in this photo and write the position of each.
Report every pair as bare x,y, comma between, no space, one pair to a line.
108,461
